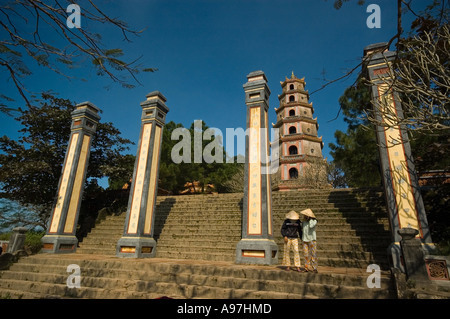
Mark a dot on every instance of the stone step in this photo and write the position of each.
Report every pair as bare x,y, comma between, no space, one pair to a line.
324,238
194,250
202,286
195,247
344,248
330,219
6,293
323,208
157,272
325,221
302,195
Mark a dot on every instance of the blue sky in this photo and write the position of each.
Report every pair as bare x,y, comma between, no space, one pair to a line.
204,49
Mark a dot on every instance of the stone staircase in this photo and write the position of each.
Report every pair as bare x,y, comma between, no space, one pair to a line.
45,276
353,229
196,239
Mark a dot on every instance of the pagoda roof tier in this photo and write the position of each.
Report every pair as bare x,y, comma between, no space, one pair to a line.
299,158
282,95
292,79
296,103
294,119
292,158
301,136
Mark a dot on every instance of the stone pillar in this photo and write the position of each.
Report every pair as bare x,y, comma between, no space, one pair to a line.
137,239
413,255
257,245
403,197
17,240
60,236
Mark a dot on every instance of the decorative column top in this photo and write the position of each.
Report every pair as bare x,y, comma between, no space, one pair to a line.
88,109
256,76
154,107
377,53
256,89
376,47
85,117
156,95
155,99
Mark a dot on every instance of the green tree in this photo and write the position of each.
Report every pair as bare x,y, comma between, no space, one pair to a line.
356,151
31,166
120,171
174,176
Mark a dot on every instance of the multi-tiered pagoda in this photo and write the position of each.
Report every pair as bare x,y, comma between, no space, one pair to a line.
298,133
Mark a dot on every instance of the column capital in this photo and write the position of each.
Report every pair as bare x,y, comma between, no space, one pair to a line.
154,108
256,90
87,108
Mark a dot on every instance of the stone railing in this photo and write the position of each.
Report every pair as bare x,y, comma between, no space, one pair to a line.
14,248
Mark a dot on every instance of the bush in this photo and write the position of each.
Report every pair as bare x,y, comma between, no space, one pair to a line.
5,236
33,242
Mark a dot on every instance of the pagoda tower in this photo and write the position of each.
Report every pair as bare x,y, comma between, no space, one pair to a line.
298,133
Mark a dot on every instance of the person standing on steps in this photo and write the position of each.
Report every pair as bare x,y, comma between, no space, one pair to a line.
309,224
291,232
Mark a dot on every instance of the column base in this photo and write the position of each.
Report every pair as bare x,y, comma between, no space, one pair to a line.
257,251
136,247
394,253
59,244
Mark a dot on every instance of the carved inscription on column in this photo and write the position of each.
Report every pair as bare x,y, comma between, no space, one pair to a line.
138,185
254,180
400,176
77,186
64,181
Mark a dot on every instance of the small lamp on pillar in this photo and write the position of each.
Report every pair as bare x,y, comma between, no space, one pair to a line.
60,236
137,239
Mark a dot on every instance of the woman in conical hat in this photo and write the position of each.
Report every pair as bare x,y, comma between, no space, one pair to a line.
308,213
291,231
292,215
309,239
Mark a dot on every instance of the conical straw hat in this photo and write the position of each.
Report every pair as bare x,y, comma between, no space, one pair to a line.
308,212
292,215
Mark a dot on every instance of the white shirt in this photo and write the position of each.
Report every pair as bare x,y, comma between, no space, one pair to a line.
309,230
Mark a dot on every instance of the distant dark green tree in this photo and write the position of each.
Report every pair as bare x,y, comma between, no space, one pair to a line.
120,171
172,176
